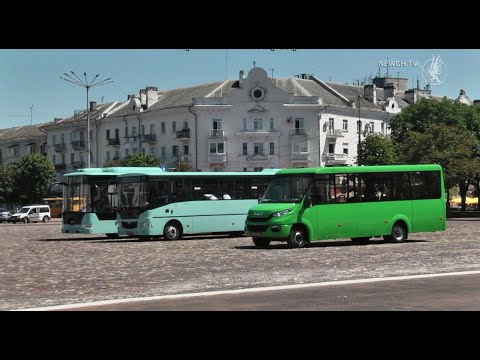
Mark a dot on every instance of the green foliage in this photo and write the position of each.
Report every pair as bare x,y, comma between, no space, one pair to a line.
7,174
112,163
378,150
139,160
34,174
418,117
445,145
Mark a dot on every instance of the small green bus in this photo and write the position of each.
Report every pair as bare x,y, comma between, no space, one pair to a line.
358,202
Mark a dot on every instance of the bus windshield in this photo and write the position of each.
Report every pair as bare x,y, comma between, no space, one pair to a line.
133,193
287,189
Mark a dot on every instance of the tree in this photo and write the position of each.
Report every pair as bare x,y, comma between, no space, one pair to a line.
445,145
7,180
139,160
378,150
418,117
34,174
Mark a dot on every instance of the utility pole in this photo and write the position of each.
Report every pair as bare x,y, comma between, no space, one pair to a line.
31,115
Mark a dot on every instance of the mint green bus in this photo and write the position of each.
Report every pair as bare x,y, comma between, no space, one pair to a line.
309,204
90,200
168,205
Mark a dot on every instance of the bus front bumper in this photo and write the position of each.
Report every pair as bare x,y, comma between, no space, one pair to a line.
268,231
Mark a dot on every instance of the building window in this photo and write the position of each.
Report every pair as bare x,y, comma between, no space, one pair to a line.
217,148
126,152
108,155
62,139
175,150
300,146
244,149
142,130
185,149
117,155
331,148
257,169
258,149
152,128
72,158
162,127
153,151
272,124
382,126
91,156
185,125
345,148
174,127
272,148
108,134
134,131
164,152
372,127
217,125
331,124
53,159
126,131
54,139
90,138
257,124
13,151
345,125
117,133
299,123
142,151
244,124
63,159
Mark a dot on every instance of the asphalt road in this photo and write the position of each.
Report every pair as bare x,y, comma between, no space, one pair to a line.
41,267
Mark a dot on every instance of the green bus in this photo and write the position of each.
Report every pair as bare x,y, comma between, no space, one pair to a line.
90,200
358,202
155,204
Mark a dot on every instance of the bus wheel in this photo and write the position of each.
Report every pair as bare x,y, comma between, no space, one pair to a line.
296,239
45,219
361,240
399,234
261,243
172,231
112,236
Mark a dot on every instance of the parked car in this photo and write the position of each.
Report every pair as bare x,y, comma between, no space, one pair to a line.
5,215
32,213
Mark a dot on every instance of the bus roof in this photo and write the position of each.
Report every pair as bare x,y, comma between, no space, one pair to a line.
109,171
360,169
154,172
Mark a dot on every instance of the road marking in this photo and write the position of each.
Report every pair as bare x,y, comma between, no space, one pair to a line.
246,290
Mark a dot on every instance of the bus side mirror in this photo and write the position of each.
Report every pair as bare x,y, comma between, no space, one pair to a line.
307,202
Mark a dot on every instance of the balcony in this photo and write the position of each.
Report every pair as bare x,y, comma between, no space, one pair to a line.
216,133
114,141
183,134
298,132
60,166
59,147
78,164
78,145
151,138
334,133
43,149
217,160
332,158
300,158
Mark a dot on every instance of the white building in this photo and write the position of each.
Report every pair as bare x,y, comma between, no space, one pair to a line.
236,125
22,140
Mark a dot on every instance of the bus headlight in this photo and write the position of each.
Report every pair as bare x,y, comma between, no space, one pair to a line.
281,213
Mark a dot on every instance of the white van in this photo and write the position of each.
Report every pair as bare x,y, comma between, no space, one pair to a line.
32,213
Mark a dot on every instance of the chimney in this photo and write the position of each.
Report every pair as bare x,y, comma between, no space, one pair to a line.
370,93
152,96
143,98
411,96
130,96
93,106
56,120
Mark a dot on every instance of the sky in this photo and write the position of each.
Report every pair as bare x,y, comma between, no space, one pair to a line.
32,92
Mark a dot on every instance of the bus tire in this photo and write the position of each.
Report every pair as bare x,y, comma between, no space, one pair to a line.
360,240
172,231
45,219
261,243
398,235
297,238
112,236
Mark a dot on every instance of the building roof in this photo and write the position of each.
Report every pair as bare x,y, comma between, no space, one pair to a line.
21,133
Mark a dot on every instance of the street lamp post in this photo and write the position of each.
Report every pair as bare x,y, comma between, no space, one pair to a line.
359,128
87,85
